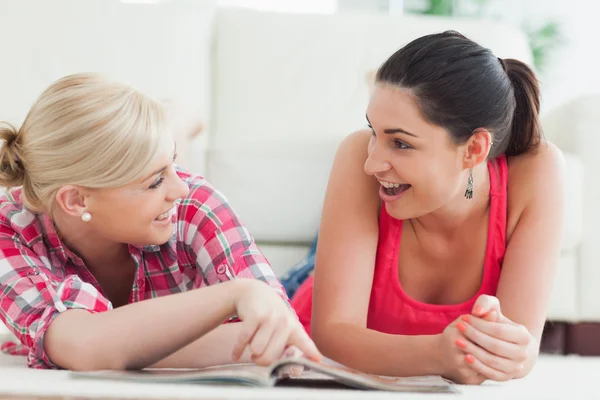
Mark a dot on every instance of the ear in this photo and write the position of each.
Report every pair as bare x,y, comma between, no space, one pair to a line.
72,200
477,148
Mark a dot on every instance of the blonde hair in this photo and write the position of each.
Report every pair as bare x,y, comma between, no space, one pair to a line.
83,130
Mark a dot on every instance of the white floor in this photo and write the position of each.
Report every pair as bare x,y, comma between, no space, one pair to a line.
554,377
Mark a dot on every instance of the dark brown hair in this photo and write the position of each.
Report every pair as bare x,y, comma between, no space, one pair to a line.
461,86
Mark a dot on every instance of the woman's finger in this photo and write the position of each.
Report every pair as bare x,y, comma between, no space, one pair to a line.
263,336
491,316
275,347
485,304
485,370
292,352
304,343
246,334
491,360
505,331
492,344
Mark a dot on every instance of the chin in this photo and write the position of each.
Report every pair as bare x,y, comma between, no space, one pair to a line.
400,211
157,237
163,238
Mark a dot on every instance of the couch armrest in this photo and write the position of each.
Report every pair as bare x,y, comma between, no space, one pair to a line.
574,128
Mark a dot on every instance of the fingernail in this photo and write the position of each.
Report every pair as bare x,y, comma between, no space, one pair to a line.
289,352
461,327
478,310
465,318
461,343
470,359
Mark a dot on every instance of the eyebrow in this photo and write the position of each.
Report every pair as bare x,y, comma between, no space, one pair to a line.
394,130
163,168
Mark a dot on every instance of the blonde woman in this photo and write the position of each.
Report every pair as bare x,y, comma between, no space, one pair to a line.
113,258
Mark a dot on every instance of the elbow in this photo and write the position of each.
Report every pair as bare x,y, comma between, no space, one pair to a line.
74,341
322,334
78,353
80,356
319,336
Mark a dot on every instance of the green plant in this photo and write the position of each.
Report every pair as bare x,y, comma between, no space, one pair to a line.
543,39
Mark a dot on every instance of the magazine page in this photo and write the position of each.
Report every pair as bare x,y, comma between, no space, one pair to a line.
253,375
238,374
353,378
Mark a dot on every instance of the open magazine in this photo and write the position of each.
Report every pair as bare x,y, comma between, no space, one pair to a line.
278,375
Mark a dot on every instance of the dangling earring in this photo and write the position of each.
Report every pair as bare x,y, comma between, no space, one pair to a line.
86,217
469,191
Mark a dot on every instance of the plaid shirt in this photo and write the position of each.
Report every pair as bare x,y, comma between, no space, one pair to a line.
40,277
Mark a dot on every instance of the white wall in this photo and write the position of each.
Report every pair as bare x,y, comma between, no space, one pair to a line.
288,6
573,67
573,70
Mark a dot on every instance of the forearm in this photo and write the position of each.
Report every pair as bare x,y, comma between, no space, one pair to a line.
214,348
140,334
379,353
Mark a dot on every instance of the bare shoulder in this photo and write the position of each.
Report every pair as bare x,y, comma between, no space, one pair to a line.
546,159
535,177
349,185
355,144
348,166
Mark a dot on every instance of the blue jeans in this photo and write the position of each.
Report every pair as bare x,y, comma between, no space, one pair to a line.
296,276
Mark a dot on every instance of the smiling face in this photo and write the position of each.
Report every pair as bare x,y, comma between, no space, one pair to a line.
141,212
419,167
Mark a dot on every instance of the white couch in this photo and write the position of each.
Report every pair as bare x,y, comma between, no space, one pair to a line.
278,93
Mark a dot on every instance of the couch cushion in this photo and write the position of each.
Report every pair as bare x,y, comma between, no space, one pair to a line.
283,256
573,219
277,187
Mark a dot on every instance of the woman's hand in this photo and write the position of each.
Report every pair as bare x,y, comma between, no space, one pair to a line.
494,346
270,326
452,359
292,370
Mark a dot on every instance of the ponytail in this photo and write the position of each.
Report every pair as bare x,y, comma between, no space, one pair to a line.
526,132
12,172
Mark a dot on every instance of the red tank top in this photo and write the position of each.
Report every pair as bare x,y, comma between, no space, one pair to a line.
391,310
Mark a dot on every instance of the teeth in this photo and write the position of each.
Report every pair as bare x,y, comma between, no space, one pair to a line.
390,185
164,215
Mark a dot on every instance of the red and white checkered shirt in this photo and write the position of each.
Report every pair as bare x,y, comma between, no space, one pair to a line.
40,277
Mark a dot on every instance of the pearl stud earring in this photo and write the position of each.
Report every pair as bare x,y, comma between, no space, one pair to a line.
86,217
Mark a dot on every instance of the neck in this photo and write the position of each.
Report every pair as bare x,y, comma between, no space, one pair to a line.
92,248
449,220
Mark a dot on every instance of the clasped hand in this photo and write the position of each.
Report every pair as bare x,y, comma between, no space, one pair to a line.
486,345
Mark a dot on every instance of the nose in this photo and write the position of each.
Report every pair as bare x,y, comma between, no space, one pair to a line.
178,190
376,161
